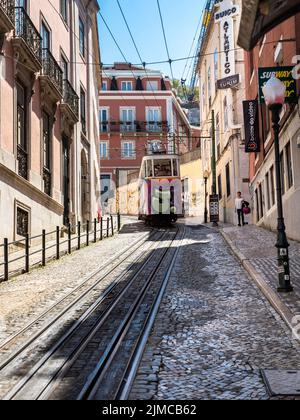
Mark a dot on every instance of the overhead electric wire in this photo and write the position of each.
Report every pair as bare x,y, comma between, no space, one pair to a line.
136,48
165,38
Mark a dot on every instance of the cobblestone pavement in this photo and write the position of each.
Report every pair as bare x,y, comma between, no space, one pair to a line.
214,331
258,246
23,298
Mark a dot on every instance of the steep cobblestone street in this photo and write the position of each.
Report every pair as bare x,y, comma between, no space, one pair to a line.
214,332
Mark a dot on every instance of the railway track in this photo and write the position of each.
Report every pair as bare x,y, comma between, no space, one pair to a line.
120,316
69,308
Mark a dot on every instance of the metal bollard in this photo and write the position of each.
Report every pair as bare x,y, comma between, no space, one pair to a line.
107,228
5,259
27,253
57,242
112,225
95,231
44,248
87,233
69,239
101,229
79,236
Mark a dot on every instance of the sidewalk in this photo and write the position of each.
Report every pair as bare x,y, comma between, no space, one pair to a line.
255,248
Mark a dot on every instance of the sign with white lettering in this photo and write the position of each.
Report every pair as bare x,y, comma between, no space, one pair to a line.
214,208
224,16
252,140
228,12
228,82
285,74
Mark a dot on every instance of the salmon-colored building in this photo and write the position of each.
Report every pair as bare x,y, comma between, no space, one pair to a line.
49,167
138,109
280,47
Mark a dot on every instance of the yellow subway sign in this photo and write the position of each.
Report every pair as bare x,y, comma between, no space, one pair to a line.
285,74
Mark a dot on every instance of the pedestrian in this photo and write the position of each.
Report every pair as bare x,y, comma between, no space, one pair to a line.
240,205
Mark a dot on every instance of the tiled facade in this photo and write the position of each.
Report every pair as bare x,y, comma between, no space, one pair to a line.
49,167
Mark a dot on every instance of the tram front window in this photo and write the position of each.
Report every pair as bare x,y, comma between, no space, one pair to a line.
162,168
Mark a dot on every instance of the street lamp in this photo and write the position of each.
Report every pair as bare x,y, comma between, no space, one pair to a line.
205,176
274,92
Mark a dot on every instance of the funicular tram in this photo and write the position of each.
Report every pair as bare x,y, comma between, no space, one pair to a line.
160,188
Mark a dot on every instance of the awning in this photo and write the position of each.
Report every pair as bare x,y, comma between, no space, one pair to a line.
260,16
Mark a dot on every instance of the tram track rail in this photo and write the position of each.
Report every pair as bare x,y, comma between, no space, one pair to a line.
112,263
17,389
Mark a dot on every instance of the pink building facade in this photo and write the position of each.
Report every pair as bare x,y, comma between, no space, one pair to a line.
49,164
138,108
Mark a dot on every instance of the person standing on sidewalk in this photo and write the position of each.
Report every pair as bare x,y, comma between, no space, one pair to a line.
240,204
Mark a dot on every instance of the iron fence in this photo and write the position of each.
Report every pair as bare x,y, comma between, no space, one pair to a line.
70,97
52,69
87,233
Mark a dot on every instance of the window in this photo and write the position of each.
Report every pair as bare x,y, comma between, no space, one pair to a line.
154,119
220,187
22,222
126,86
83,110
45,34
209,86
282,169
64,9
216,65
272,186
175,168
65,67
127,119
104,120
22,109
268,191
228,183
152,85
47,153
261,201
162,167
103,150
81,37
257,206
104,86
226,121
149,168
128,150
289,166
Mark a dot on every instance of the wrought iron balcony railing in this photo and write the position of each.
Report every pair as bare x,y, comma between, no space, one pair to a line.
8,7
70,97
47,181
25,29
134,127
23,162
52,69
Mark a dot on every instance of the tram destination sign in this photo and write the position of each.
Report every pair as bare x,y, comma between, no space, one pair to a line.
285,74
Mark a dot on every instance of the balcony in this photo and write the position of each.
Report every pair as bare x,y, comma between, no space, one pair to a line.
149,127
51,77
27,42
70,103
7,15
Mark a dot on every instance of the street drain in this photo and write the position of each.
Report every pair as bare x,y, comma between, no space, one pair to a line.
282,382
